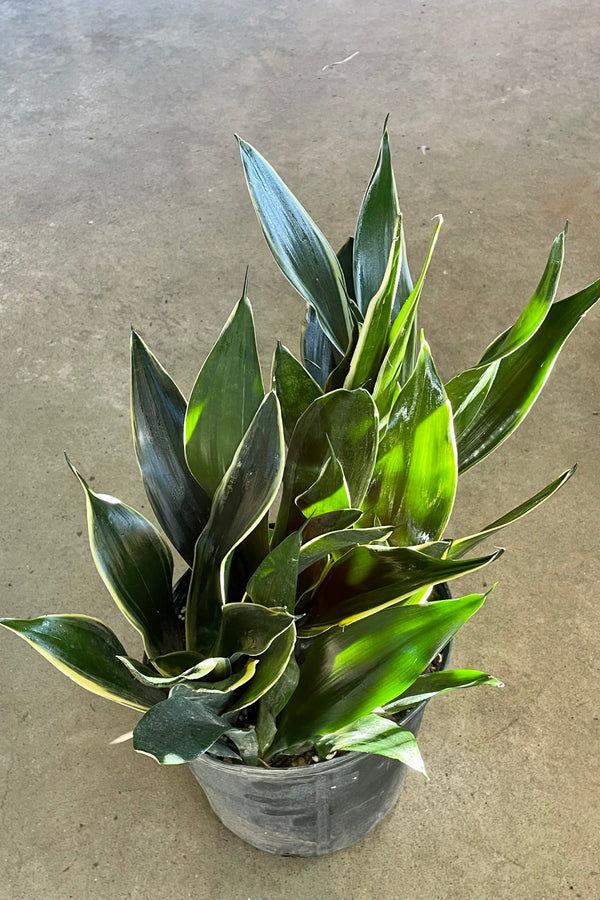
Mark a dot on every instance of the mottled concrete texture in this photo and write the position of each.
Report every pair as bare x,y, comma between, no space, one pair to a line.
123,201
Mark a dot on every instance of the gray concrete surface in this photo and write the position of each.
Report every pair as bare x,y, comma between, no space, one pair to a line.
123,201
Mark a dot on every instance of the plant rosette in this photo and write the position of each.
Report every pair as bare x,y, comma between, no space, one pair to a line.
304,627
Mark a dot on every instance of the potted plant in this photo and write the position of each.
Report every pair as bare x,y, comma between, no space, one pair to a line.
290,664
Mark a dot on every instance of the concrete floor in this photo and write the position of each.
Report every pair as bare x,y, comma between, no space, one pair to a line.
124,201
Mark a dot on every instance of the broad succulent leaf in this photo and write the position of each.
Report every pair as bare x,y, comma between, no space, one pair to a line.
274,582
536,310
300,249
273,663
171,664
376,734
225,680
250,629
415,475
145,675
294,386
520,378
273,701
242,499
87,651
157,414
343,420
402,353
375,227
459,547
367,579
246,742
224,399
329,493
435,683
136,566
350,671
180,728
373,335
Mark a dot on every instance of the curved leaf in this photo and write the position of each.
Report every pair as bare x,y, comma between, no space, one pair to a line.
242,499
157,415
459,547
415,475
273,663
536,310
343,420
520,379
136,566
467,392
375,734
180,728
335,541
224,399
300,249
434,683
87,651
375,227
345,258
367,579
149,677
294,386
350,671
329,492
250,629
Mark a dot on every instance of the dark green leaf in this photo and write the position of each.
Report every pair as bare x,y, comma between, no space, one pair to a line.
224,399
293,385
274,582
345,258
435,683
520,378
337,377
158,413
464,545
319,356
375,227
344,420
175,663
180,728
375,734
273,702
298,246
249,629
273,663
86,651
149,677
333,521
350,671
367,579
136,566
329,492
246,742
536,310
242,499
415,476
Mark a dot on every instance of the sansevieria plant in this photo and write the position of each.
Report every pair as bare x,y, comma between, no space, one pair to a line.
305,623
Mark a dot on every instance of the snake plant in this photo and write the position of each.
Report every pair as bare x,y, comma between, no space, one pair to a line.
311,514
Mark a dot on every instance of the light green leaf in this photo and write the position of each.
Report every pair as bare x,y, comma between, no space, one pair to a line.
415,475
373,333
274,582
273,664
300,249
520,379
467,392
136,566
329,493
293,385
401,357
180,728
87,652
536,310
224,399
149,677
335,541
464,545
367,579
350,671
344,420
375,227
244,496
375,734
435,683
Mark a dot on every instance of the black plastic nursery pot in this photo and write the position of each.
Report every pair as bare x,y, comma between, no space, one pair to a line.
308,810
